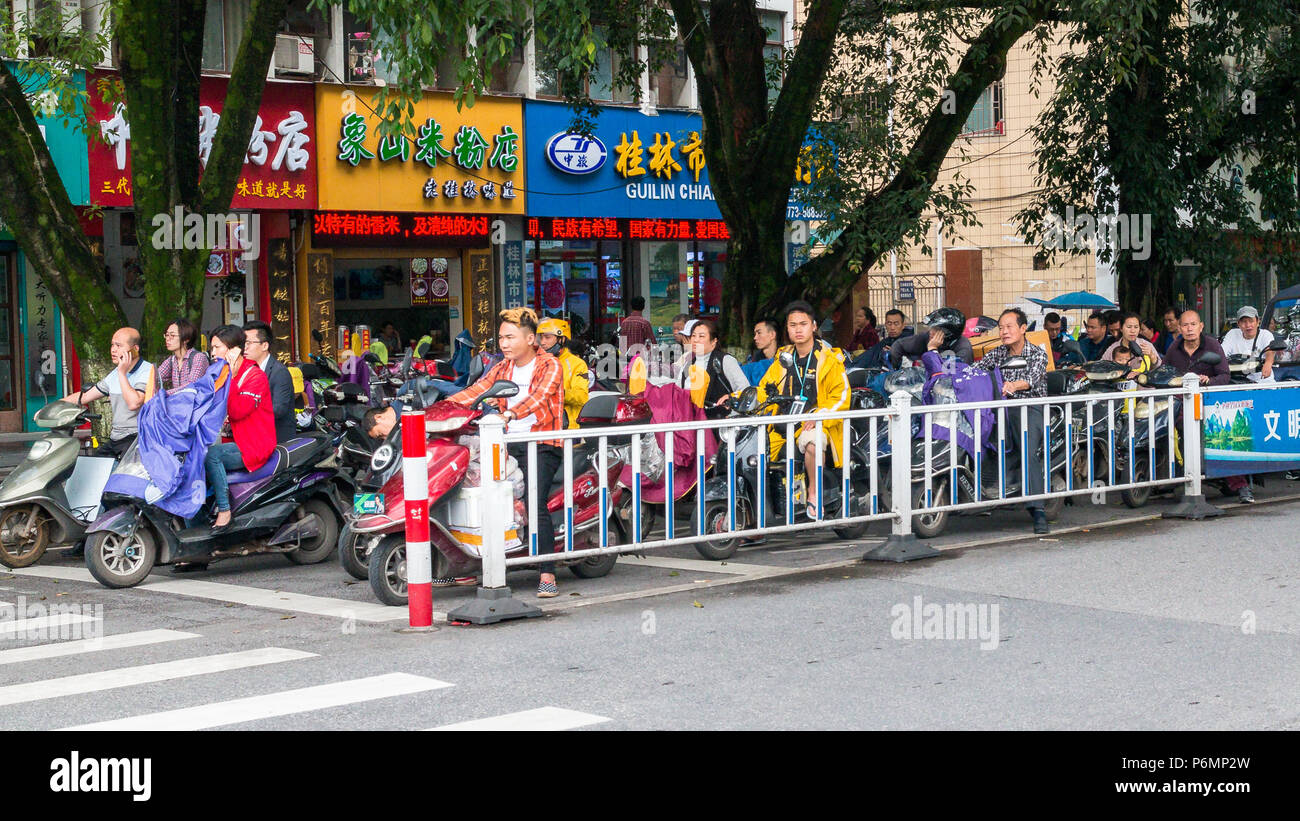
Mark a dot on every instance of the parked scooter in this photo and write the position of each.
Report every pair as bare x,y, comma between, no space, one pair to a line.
54,494
291,505
376,540
763,489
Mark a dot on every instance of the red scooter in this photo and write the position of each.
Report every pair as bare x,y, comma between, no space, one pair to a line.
376,541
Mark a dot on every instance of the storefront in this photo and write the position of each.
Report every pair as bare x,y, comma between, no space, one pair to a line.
628,211
276,187
405,228
33,347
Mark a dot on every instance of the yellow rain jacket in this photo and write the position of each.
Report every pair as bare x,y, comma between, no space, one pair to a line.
575,384
832,393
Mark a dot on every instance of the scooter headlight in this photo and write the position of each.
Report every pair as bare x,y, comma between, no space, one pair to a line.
39,448
383,457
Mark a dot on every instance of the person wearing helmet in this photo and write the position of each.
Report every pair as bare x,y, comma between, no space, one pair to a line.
553,337
946,333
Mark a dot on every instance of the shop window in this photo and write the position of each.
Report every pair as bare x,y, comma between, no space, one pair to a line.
986,117
773,24
670,85
214,36
599,80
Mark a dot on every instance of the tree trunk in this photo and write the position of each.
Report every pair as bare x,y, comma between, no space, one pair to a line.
38,211
162,48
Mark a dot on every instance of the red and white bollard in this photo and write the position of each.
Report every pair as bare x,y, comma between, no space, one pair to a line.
419,554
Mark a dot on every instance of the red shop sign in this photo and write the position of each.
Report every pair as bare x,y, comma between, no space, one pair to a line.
279,172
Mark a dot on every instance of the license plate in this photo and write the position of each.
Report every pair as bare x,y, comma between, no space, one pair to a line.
364,503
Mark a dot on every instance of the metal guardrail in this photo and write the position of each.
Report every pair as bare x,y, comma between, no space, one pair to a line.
1111,432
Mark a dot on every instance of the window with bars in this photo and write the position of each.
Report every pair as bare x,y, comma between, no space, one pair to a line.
987,115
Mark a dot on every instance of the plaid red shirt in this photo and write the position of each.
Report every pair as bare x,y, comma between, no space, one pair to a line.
545,399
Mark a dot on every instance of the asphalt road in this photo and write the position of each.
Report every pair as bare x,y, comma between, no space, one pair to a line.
1146,625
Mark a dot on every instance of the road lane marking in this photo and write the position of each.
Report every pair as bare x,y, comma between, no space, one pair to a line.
72,648
42,623
540,719
240,594
271,705
146,674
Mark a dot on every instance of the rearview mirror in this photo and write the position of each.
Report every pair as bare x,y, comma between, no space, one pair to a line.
1209,358
316,335
1277,345
499,389
1016,362
1136,349
786,359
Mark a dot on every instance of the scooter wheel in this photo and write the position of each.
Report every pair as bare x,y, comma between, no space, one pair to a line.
1138,496
318,549
388,571
715,521
116,561
351,553
21,552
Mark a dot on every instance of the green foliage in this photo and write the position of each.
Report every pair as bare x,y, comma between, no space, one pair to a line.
1152,108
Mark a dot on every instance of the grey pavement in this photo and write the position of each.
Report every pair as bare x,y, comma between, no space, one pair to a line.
1154,624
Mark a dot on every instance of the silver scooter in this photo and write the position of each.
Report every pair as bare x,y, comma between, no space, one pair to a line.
53,496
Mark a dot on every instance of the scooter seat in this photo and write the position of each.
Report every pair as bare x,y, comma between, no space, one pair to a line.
278,458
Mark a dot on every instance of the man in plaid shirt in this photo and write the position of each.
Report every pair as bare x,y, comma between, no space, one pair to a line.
1022,383
539,405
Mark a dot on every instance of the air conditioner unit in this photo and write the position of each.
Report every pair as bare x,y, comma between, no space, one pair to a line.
293,55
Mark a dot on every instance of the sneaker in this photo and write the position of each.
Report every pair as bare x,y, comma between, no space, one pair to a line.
547,590
1245,496
1040,523
1293,475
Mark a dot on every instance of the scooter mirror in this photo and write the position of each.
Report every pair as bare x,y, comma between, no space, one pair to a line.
1209,358
748,400
1277,345
1136,349
316,335
500,388
1016,362
786,359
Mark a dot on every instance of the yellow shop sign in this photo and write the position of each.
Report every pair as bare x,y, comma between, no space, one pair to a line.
465,162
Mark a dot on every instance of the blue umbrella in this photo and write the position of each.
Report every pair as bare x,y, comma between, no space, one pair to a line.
1079,300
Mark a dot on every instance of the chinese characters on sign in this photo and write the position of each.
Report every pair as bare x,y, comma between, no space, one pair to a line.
320,298
279,273
512,253
332,225
480,294
452,160
663,163
572,228
279,171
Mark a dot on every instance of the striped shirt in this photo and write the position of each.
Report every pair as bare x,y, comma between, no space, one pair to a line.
545,399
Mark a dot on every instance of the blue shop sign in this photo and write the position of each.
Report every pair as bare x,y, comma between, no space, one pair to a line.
1251,431
637,165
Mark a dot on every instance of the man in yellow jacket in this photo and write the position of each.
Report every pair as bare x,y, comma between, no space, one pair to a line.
553,337
817,375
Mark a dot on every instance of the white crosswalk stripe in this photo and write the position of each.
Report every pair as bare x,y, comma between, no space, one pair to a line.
17,627
146,674
542,718
239,594
72,648
272,705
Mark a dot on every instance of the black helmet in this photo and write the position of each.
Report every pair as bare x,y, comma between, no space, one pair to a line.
949,320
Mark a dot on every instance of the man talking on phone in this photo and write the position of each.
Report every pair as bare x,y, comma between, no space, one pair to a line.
126,388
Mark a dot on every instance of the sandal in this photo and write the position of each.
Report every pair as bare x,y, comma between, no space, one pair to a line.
466,581
547,590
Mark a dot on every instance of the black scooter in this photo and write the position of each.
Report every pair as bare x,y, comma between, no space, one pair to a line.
292,505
